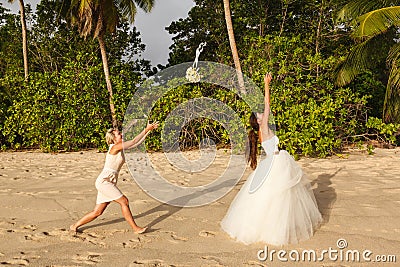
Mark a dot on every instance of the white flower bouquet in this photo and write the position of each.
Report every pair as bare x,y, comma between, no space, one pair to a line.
192,75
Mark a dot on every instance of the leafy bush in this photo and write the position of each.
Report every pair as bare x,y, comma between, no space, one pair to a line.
313,116
69,109
66,110
384,131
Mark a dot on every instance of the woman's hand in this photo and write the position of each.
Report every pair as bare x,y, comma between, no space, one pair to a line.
151,126
267,78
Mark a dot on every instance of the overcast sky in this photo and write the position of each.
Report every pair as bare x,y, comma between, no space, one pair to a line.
151,25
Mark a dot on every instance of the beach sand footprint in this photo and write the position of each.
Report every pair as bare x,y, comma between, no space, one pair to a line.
90,258
92,238
36,237
66,235
132,243
116,231
215,260
23,259
149,263
180,218
30,227
255,263
179,238
205,233
138,241
9,226
173,237
18,262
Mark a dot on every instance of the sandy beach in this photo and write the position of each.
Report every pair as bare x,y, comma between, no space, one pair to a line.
41,194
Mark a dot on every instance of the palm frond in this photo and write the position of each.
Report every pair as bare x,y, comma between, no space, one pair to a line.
146,5
95,16
85,6
356,8
391,105
86,22
127,9
377,21
65,10
98,21
80,13
360,59
354,64
394,53
111,16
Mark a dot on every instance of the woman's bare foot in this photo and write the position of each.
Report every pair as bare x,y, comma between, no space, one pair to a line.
140,230
73,228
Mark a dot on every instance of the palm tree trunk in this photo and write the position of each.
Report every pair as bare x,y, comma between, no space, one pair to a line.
24,39
319,29
391,105
108,81
232,43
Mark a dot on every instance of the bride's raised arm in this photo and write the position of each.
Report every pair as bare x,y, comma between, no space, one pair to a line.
265,130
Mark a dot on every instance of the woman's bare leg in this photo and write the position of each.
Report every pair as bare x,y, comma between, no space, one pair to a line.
126,211
96,212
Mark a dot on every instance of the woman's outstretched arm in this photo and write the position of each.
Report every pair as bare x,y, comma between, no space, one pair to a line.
140,137
135,141
266,132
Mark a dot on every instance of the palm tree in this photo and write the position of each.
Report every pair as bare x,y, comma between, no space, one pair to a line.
99,17
372,22
24,39
232,43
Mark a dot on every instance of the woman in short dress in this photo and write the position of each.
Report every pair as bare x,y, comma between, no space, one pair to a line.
276,204
106,182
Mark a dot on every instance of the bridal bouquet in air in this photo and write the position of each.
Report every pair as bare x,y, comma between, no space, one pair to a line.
192,75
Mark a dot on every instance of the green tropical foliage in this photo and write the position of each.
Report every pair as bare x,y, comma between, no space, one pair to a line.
65,105
374,25
99,18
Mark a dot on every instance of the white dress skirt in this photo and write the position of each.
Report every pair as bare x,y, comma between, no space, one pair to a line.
282,210
106,182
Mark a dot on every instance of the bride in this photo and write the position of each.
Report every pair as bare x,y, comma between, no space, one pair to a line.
276,204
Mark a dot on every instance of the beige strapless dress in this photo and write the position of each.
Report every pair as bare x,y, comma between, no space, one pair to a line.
106,182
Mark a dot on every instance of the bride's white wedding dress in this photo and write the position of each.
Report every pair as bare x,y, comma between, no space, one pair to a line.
276,204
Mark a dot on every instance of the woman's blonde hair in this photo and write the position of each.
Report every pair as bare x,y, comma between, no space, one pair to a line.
110,136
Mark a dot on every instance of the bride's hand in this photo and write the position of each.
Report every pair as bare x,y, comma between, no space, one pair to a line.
267,78
151,126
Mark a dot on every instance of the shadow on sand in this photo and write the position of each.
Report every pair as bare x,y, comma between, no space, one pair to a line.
325,194
169,209
81,229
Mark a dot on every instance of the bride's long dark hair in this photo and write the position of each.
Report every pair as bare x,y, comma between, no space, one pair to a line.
253,141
